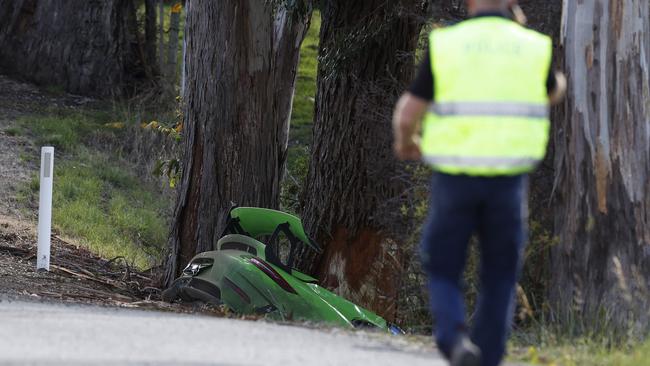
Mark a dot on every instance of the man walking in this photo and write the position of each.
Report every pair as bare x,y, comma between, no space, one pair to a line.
483,91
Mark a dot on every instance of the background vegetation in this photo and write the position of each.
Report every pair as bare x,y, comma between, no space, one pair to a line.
107,199
99,199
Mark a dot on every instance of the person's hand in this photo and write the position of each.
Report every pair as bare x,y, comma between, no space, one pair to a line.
408,150
406,120
557,95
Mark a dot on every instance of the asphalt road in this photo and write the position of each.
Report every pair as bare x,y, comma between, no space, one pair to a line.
51,334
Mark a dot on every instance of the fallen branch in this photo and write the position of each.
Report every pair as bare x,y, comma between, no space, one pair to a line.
15,250
84,276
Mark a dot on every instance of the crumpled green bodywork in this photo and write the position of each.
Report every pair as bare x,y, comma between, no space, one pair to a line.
245,275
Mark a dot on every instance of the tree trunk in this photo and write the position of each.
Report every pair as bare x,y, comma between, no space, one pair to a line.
183,67
351,202
172,44
87,47
150,34
543,15
241,71
161,35
601,266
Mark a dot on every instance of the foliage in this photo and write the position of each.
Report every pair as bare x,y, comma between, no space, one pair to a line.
169,168
98,199
413,303
168,9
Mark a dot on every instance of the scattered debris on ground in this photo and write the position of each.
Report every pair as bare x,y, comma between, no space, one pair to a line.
77,275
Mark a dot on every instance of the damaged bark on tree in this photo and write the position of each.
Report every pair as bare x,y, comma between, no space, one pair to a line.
351,201
601,266
242,59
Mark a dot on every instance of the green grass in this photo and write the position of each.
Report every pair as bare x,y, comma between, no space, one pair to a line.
64,133
13,131
110,209
98,200
303,104
302,116
574,342
56,90
578,352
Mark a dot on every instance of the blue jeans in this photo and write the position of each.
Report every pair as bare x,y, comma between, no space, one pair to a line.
495,208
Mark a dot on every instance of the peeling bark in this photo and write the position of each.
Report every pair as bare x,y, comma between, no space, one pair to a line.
88,47
603,165
241,70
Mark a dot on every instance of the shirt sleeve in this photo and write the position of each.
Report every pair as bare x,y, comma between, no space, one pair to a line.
551,82
422,86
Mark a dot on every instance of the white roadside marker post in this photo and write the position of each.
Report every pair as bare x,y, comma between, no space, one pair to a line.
45,209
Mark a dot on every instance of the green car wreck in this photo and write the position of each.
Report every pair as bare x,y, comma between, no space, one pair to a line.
251,272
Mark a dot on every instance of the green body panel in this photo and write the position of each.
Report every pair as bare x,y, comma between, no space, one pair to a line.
239,275
264,221
310,303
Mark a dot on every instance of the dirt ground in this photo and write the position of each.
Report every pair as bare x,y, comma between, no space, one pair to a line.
76,275
18,163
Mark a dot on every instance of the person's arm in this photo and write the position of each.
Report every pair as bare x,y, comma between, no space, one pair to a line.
408,113
557,89
410,110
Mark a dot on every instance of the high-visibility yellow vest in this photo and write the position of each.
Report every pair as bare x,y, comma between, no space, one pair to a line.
490,116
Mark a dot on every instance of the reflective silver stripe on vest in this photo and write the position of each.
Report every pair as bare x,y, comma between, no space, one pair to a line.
509,109
482,161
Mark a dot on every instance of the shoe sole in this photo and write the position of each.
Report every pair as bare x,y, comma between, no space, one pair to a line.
468,359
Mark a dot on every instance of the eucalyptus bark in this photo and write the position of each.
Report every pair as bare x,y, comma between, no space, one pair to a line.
87,47
351,201
242,59
601,266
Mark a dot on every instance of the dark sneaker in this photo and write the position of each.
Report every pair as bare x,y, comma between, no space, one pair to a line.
465,353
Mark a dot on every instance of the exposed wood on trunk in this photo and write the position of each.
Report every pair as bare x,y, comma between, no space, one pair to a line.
351,202
87,47
603,165
241,68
